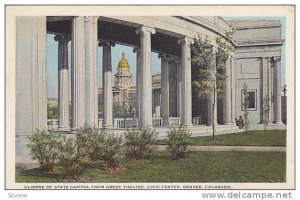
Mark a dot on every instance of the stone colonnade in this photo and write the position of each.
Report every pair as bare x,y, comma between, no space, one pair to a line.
84,104
83,88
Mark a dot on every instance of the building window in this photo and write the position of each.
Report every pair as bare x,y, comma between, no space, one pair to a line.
252,97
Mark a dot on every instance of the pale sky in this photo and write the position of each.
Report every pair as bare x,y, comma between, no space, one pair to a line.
52,56
116,52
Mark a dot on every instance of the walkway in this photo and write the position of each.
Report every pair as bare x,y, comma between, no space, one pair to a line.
228,148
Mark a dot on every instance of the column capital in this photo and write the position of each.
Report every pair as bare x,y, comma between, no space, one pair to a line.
91,19
106,43
145,29
185,40
275,59
268,59
136,49
62,37
163,56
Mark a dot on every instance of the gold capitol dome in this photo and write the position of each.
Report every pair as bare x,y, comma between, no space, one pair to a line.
123,62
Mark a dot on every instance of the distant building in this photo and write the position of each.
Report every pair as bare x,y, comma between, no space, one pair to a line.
124,92
52,102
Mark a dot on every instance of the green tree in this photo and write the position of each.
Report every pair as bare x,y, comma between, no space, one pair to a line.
245,105
52,111
209,70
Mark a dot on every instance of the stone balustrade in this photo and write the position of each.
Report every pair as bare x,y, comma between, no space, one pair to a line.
197,120
157,122
174,121
125,122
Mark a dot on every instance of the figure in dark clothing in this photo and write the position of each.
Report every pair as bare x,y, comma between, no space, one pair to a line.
239,122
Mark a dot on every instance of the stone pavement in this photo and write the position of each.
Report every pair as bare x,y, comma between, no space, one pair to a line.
229,148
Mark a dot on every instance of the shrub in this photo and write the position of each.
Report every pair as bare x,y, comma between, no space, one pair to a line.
71,162
178,140
90,142
44,147
112,150
140,143
266,112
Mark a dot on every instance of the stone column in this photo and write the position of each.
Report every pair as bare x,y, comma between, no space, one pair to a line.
31,101
265,76
154,103
63,82
186,111
164,108
265,92
91,91
138,66
179,85
213,96
107,85
158,103
78,73
29,94
40,67
277,90
145,77
233,89
227,94
271,88
172,88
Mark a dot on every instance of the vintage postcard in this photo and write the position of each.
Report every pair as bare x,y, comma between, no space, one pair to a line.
150,97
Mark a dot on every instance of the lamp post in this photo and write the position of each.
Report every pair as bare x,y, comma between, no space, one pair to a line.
284,104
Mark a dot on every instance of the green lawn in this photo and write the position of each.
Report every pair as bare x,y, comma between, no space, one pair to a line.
252,138
197,167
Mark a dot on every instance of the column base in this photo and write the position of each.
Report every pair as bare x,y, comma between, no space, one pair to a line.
187,125
73,130
278,122
146,126
210,124
63,128
228,123
93,125
107,126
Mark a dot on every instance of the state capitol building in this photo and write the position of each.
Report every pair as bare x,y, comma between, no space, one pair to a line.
124,92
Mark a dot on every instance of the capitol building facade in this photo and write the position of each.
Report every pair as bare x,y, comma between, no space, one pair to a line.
124,92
